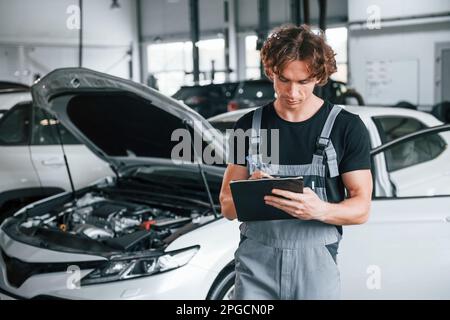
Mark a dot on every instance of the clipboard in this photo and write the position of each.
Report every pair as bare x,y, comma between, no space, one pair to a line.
248,197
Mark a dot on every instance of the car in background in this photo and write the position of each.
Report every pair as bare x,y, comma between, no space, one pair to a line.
154,230
213,99
12,93
252,93
441,111
207,100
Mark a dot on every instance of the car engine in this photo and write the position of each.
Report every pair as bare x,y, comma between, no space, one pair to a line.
122,225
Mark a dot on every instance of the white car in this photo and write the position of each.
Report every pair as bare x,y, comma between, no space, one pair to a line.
397,175
12,94
155,232
32,162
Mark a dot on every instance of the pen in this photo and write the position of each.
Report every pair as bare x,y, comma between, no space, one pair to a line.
253,163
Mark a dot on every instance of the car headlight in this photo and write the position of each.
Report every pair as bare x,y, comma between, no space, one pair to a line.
120,268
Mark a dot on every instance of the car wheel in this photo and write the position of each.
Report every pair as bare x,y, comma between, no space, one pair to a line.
223,288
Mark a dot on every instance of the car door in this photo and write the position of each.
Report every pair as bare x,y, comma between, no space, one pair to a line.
390,127
47,155
16,169
403,251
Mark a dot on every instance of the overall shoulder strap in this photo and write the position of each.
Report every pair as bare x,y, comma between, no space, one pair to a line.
255,137
324,146
329,123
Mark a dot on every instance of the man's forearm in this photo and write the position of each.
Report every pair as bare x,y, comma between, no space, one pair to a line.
227,207
351,211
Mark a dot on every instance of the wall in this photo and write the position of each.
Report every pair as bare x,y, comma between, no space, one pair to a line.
35,38
357,9
397,61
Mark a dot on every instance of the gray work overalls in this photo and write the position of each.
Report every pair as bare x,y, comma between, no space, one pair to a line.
290,259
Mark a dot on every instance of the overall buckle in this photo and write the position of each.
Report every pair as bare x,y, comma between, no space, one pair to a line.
321,145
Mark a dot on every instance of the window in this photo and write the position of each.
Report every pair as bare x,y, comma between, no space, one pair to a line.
393,127
212,51
252,58
168,63
417,166
171,63
336,38
45,130
414,151
15,126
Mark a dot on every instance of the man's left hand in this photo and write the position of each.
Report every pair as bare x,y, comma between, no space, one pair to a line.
305,206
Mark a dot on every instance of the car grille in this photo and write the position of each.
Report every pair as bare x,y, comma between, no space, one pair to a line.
17,271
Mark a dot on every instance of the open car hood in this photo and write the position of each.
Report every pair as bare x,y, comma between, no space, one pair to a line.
121,121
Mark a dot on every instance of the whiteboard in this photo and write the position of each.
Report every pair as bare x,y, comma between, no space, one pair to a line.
391,81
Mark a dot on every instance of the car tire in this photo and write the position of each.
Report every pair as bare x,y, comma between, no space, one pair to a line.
223,287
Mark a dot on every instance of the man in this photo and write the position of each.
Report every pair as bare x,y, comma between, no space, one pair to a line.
329,147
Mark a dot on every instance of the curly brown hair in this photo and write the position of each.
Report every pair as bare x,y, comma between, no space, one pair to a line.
289,43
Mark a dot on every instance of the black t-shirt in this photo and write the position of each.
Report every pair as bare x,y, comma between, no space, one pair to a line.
298,142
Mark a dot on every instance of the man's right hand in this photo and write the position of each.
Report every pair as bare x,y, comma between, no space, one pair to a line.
258,174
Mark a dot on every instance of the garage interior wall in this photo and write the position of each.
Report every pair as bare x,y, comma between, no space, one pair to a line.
42,39
397,61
